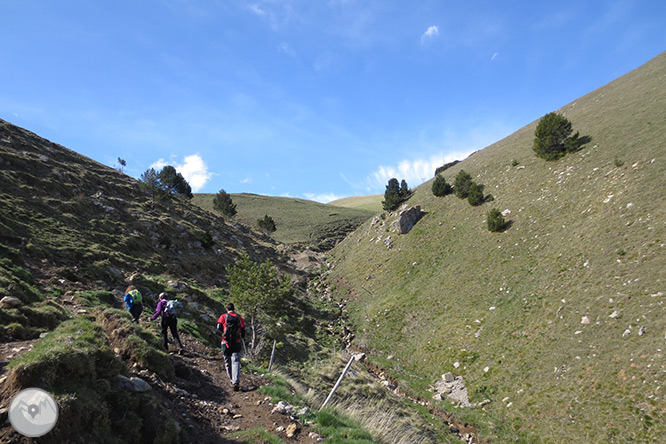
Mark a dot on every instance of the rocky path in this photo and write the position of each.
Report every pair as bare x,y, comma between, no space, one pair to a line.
213,411
201,397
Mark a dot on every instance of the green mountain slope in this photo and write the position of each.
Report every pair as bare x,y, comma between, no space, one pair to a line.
73,235
372,203
299,222
559,321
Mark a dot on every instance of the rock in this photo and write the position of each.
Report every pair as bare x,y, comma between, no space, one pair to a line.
407,219
454,389
10,302
179,287
132,384
292,429
139,385
283,408
585,320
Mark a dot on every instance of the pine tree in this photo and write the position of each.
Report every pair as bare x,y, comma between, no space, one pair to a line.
259,291
496,222
392,197
223,203
267,224
174,182
475,196
462,184
440,187
553,138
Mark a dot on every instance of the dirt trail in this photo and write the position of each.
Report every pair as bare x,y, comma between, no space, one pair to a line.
213,410
201,397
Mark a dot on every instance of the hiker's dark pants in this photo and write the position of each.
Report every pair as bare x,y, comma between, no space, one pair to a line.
232,362
135,311
170,323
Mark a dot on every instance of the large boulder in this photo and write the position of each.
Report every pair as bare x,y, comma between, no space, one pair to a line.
407,219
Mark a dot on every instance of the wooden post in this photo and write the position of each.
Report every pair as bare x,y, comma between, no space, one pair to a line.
337,384
270,364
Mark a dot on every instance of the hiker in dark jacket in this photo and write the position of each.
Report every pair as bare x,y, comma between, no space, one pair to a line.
169,321
232,327
134,302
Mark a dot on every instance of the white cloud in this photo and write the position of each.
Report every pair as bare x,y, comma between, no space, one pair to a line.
195,172
431,33
159,164
323,197
494,56
414,172
246,180
193,169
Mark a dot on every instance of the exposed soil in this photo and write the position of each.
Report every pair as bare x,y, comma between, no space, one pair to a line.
201,397
213,410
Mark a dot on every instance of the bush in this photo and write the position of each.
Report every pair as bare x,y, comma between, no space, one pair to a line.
440,187
267,224
445,167
496,222
553,138
462,184
223,203
475,196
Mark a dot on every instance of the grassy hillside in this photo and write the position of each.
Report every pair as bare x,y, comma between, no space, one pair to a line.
371,203
299,222
559,321
73,235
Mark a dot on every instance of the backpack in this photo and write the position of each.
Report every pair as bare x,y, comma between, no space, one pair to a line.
172,307
232,328
136,296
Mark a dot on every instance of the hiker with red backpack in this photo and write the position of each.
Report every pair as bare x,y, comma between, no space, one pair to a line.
168,309
232,327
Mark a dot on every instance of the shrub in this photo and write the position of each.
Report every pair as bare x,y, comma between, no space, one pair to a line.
496,222
267,224
475,196
445,167
553,138
440,187
223,203
462,184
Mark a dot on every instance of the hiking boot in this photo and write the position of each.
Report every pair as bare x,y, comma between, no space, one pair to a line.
236,387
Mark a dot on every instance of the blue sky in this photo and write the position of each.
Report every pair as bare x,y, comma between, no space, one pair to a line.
316,99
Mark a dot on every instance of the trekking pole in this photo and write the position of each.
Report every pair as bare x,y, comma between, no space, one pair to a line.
337,384
270,364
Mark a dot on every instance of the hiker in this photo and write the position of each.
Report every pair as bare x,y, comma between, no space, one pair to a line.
232,327
168,309
134,302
